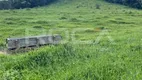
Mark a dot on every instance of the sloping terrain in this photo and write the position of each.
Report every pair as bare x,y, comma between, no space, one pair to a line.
116,55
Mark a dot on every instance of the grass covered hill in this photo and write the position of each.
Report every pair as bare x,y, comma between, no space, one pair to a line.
104,60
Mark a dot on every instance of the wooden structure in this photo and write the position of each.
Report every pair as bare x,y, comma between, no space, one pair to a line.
34,41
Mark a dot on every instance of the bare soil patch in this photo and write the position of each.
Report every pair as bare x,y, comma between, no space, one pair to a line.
2,52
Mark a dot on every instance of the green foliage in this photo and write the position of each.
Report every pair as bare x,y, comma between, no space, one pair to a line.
132,3
101,61
17,4
4,5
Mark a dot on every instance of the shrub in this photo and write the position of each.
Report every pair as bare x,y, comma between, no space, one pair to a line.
74,19
37,27
97,6
63,18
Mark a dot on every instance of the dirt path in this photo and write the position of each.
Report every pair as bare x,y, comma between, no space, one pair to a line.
1,52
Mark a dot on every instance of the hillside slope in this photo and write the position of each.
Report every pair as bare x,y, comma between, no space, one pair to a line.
100,61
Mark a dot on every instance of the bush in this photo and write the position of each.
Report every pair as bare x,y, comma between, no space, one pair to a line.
63,18
97,6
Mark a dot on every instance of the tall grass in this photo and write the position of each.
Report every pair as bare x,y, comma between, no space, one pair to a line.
100,61
72,62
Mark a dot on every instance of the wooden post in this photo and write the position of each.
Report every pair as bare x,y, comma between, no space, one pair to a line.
17,45
37,42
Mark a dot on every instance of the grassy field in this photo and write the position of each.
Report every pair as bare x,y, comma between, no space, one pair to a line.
116,56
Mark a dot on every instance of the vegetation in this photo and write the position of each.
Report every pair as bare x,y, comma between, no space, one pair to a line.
96,61
132,3
12,4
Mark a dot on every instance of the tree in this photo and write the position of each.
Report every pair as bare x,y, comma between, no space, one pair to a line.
17,4
132,3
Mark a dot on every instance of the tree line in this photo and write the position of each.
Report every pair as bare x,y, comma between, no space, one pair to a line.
17,4
131,3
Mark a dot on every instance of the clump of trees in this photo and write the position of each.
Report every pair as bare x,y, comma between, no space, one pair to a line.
4,5
17,4
131,3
